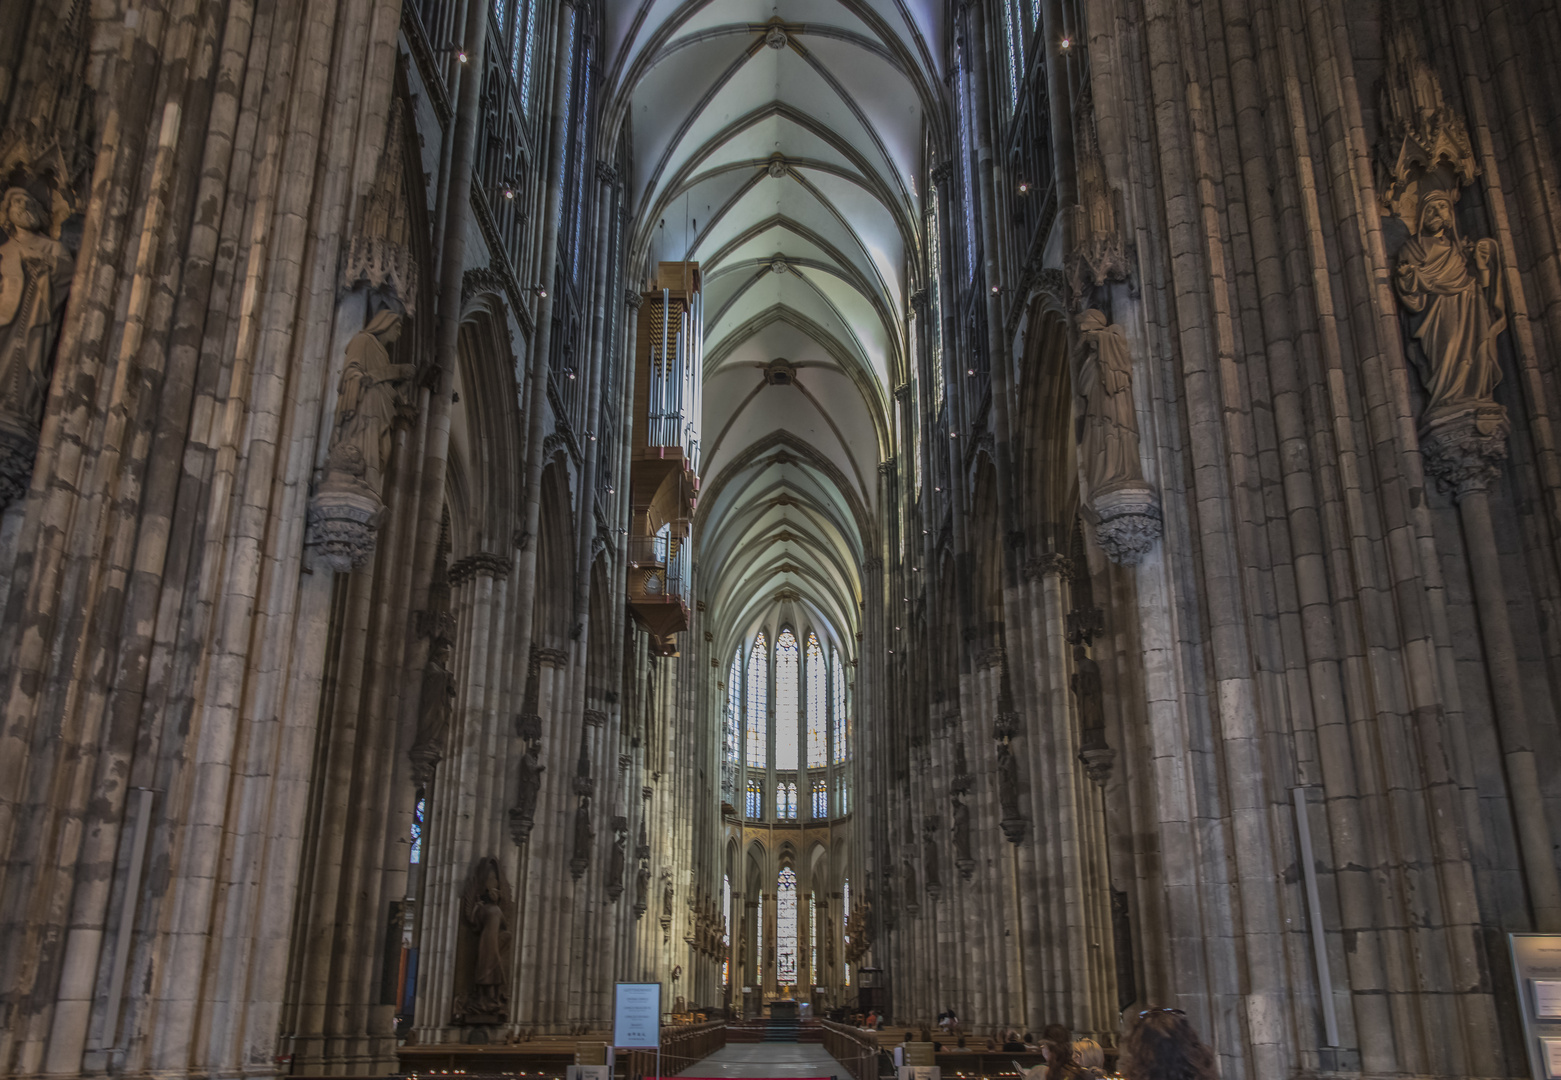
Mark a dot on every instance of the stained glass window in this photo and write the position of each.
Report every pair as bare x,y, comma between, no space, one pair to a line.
845,916
787,659
820,798
841,745
818,716
840,796
417,830
755,799
813,935
786,928
966,166
1015,38
520,61
734,704
726,929
582,136
786,799
758,703
935,296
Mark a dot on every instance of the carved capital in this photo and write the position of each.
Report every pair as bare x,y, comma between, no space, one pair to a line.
595,718
942,173
554,658
479,564
634,298
919,302
1048,562
1464,446
990,657
606,173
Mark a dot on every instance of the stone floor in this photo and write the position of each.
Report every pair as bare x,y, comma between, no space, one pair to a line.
784,1060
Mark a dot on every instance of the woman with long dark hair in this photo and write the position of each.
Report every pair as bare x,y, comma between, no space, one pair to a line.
1164,1046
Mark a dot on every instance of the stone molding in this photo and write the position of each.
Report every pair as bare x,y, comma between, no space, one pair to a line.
553,658
634,298
382,265
1048,562
18,450
595,718
482,280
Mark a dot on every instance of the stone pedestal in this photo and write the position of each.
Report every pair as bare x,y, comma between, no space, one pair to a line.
18,448
343,522
1127,521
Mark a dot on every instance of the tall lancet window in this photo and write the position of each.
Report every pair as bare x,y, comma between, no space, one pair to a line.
726,929
845,917
786,928
734,705
818,716
787,657
758,703
786,799
840,706
755,799
820,798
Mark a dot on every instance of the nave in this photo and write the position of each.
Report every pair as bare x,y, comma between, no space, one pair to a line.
1044,512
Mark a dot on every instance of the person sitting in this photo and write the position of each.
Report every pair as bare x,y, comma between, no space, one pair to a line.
1162,1045
1057,1049
947,1020
1090,1058
1029,1042
1012,1044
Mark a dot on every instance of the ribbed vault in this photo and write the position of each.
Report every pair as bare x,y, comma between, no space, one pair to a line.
779,146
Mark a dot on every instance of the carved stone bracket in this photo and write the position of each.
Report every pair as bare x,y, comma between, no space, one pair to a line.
1014,829
1464,447
1005,726
341,526
18,449
1127,522
1098,762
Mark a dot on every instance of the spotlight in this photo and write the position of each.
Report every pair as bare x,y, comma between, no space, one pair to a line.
970,371
953,434
460,54
1066,43
1024,187
996,289
509,192
540,290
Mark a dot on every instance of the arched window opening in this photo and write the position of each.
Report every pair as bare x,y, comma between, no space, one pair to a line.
726,930
758,703
818,717
786,928
840,707
755,807
787,659
417,828
841,809
820,798
786,799
813,936
845,917
734,704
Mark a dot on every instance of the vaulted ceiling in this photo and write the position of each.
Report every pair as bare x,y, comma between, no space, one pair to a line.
780,145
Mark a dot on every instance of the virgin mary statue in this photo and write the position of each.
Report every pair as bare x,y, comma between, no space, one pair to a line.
1454,287
366,404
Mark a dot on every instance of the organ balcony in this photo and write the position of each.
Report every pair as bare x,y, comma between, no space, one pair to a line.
664,464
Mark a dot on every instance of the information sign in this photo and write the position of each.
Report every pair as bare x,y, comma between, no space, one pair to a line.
1536,964
637,1015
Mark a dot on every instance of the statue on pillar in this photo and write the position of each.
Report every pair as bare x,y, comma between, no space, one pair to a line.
618,860
1126,508
1096,755
435,707
641,890
527,789
482,972
584,836
345,511
1013,821
959,828
35,276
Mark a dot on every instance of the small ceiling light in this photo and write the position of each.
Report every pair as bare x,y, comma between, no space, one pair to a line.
970,371
460,54
996,289
1024,187
953,434
896,627
509,192
1066,43
540,290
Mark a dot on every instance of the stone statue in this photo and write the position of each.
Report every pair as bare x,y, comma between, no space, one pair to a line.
1454,288
1007,780
584,836
366,403
1097,757
35,275
929,860
641,890
666,894
959,828
1107,425
528,787
486,908
829,942
616,863
435,706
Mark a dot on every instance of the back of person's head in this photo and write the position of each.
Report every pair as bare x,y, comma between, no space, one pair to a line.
1028,1036
1056,1033
1087,1052
961,1042
907,1036
1162,1045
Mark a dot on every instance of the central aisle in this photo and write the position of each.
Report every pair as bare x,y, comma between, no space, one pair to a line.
759,1060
